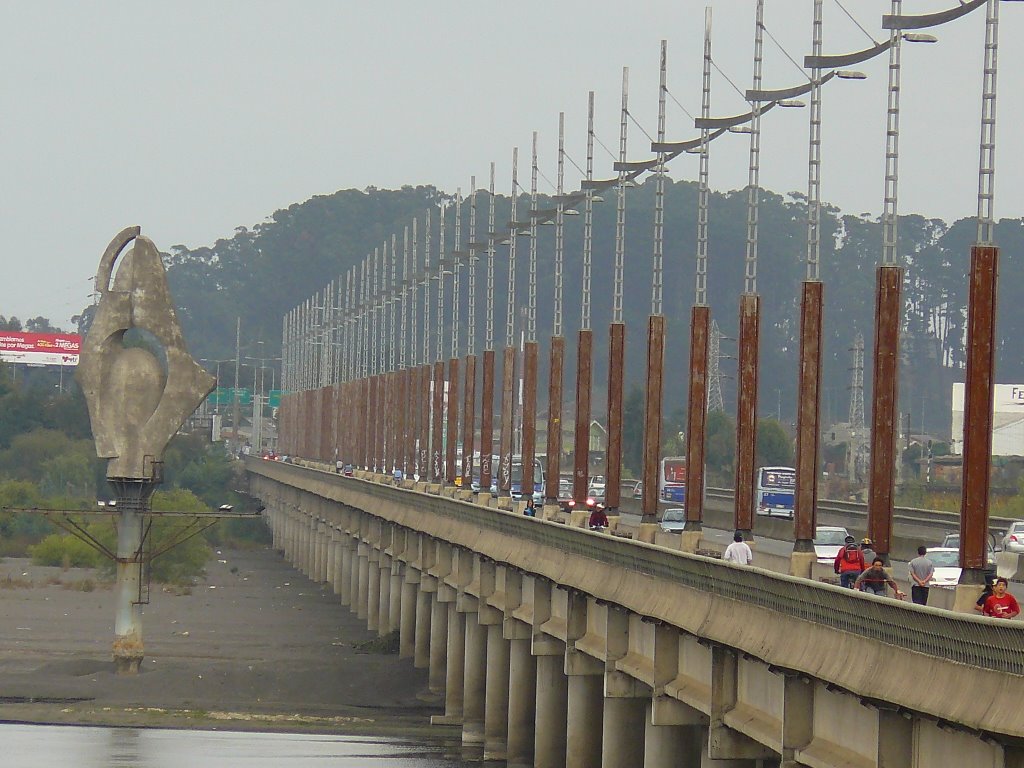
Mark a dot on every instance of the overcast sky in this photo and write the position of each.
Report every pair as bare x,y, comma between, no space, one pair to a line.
193,118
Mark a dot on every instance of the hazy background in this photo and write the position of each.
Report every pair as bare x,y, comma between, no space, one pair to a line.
191,119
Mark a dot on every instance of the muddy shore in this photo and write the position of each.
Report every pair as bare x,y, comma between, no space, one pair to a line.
254,646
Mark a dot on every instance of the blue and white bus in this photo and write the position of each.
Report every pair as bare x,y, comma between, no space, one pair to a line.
776,491
672,479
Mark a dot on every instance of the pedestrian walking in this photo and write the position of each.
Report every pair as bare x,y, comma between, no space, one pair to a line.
921,571
1001,604
875,579
739,551
849,562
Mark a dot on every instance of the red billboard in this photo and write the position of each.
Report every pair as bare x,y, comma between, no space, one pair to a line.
40,348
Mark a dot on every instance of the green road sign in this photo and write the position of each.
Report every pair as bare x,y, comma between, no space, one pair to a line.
226,396
275,398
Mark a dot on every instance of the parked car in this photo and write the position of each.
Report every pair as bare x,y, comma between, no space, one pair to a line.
1013,541
947,566
828,540
952,541
673,520
638,490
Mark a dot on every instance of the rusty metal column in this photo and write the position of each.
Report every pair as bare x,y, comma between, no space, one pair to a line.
424,455
468,422
487,422
652,417
527,483
554,446
371,423
401,420
508,372
696,418
613,457
451,468
808,414
437,441
885,385
581,442
978,401
746,413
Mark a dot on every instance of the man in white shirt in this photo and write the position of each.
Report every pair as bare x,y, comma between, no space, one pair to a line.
739,551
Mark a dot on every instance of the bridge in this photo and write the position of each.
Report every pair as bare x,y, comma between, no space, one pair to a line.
558,646
554,645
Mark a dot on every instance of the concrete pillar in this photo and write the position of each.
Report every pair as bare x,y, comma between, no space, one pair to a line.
725,743
474,681
407,620
552,705
670,746
339,561
895,740
384,596
276,537
454,669
584,713
372,588
623,732
522,701
362,591
496,693
311,546
348,555
321,553
798,720
331,558
421,640
353,575
395,607
438,644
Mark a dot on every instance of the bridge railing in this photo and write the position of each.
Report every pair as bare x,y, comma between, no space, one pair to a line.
976,641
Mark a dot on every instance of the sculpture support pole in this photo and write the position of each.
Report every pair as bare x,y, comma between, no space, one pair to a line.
487,422
613,464
652,417
807,416
128,648
746,413
885,385
554,447
696,420
527,485
581,441
978,398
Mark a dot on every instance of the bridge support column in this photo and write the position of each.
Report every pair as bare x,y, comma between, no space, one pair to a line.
338,544
274,520
372,588
438,642
725,743
348,556
395,602
407,620
552,704
798,720
496,692
585,707
623,731
895,740
668,744
384,596
311,546
332,564
321,551
421,644
474,681
362,590
522,695
455,666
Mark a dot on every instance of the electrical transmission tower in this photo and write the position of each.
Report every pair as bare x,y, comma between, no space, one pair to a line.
715,402
858,451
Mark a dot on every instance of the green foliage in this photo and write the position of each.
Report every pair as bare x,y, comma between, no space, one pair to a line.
720,446
774,446
64,550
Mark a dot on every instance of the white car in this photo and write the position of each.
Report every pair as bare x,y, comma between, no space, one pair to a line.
1013,541
828,540
673,520
947,566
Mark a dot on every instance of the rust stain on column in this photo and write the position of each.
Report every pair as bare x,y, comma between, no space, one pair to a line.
528,481
487,421
746,411
554,446
401,419
613,463
652,416
508,411
808,412
885,386
696,417
469,421
450,467
437,441
424,457
371,423
978,402
581,441
388,434
411,402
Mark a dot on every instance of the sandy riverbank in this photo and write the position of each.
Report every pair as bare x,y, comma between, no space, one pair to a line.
254,646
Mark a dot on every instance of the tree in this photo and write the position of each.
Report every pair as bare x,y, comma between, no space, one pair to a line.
720,445
774,446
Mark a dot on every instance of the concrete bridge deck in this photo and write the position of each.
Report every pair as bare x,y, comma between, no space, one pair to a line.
537,632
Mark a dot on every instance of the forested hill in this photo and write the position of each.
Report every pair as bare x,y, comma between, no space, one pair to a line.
262,272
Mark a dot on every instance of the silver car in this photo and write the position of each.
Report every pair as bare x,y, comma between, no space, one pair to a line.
673,520
1013,541
828,540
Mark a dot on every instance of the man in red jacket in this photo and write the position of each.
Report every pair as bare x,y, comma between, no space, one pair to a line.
849,563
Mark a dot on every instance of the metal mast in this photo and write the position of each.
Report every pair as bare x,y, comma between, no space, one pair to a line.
754,170
489,322
987,160
892,146
620,210
471,255
814,155
659,191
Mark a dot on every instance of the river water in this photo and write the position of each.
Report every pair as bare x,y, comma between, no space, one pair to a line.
45,746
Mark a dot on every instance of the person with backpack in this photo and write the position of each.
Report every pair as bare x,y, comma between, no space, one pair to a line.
849,563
